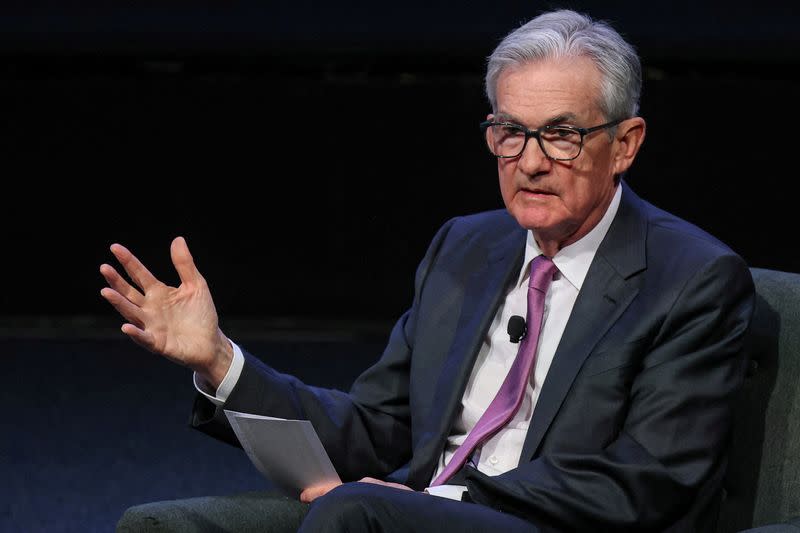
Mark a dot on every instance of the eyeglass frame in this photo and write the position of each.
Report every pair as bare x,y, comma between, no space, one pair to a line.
538,132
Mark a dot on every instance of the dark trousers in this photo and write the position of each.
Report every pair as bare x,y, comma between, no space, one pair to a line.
256,512
364,507
352,507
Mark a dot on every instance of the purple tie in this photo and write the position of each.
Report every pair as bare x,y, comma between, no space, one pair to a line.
509,397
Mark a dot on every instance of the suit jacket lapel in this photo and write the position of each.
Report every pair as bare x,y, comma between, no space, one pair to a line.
483,292
607,290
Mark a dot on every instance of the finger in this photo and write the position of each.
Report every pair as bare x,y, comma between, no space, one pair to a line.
129,311
309,495
139,336
135,269
183,261
119,284
312,493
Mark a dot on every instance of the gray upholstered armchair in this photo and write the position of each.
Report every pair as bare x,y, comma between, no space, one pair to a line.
763,481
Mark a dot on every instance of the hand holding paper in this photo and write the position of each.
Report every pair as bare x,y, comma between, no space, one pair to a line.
287,452
312,493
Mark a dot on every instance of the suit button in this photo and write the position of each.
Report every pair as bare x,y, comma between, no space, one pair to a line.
493,459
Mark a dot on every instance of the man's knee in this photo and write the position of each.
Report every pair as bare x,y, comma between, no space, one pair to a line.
347,500
152,518
350,506
257,511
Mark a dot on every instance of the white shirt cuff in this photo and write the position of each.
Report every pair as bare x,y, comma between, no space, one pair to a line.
451,492
228,382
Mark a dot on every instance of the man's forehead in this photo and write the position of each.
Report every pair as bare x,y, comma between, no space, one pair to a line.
550,91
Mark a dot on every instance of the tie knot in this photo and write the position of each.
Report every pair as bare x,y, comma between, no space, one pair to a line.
542,271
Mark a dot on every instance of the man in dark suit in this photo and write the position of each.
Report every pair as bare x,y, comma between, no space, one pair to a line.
624,417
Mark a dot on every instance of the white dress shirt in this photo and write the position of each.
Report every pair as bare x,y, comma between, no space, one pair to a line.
501,453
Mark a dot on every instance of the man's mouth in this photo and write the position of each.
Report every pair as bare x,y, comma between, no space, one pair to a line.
536,191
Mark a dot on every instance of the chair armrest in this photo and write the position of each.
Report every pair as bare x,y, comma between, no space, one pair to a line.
790,526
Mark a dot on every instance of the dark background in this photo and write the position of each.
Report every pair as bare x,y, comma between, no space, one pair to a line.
291,143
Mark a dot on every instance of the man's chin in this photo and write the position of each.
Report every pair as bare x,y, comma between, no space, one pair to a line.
532,219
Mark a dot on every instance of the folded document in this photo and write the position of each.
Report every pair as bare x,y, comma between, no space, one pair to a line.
287,452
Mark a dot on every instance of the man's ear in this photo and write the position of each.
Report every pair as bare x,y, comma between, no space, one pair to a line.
628,140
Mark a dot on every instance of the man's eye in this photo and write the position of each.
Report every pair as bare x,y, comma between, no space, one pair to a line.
562,132
509,129
506,131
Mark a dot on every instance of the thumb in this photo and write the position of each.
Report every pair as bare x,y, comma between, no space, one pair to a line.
183,261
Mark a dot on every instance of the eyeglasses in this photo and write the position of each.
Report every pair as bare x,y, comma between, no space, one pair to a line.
561,143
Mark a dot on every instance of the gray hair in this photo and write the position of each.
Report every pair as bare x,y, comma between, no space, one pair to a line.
566,33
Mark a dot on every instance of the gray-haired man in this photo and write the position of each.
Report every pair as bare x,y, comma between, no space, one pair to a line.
624,418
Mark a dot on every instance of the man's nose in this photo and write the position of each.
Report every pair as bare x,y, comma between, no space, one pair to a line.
533,160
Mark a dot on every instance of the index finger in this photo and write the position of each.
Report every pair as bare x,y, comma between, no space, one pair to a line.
135,269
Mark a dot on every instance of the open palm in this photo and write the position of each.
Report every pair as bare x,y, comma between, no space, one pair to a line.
179,323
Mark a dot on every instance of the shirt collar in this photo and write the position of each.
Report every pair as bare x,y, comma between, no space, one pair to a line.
573,261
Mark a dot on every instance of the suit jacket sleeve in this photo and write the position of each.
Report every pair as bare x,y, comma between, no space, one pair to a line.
366,431
675,429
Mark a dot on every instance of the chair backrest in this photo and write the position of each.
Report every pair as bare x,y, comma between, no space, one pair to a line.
762,485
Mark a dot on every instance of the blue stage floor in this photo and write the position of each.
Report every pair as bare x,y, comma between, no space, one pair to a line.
95,426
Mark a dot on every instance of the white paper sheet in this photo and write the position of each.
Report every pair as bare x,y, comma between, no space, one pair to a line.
287,452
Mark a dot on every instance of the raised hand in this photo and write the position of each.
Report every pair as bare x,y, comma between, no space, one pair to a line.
179,323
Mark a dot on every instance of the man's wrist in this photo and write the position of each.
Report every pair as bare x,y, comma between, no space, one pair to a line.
219,395
223,357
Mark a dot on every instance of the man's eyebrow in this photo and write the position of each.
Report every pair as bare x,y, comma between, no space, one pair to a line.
505,117
556,119
559,119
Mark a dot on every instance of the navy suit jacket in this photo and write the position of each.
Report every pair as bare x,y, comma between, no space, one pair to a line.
631,427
